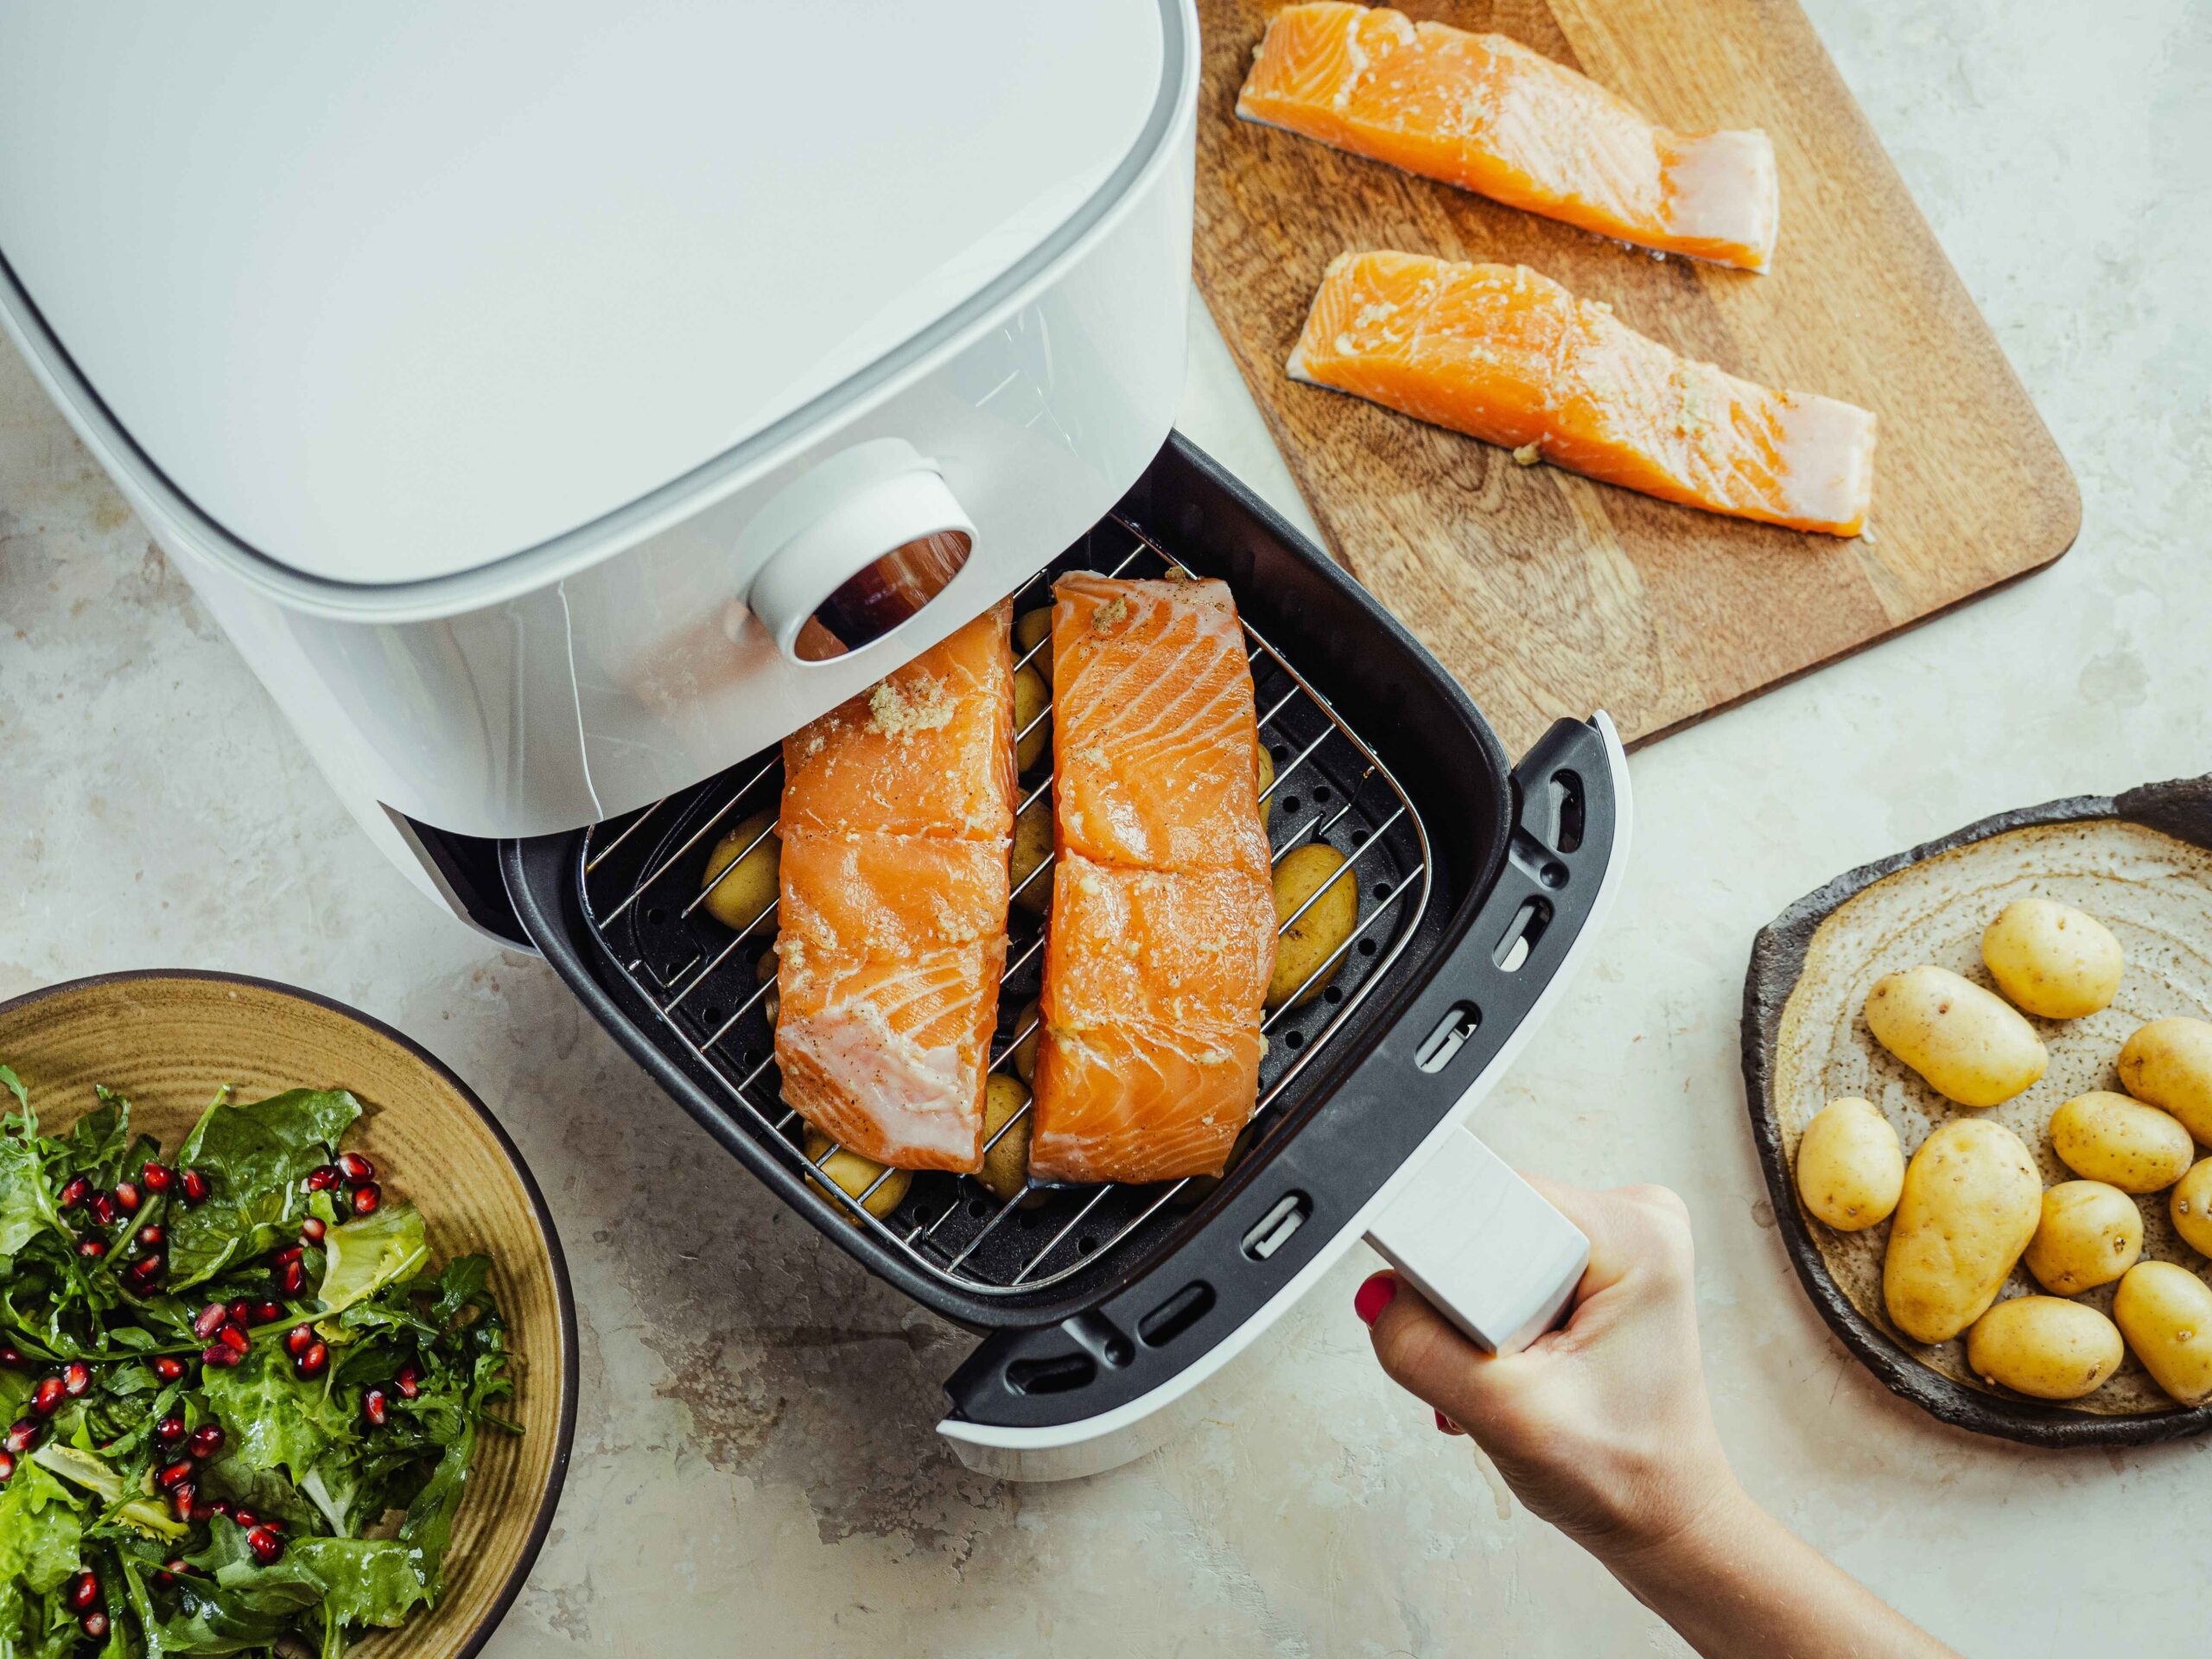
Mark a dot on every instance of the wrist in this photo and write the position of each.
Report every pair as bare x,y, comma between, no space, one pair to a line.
1693,1545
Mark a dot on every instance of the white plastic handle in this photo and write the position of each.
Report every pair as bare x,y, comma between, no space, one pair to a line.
1474,1238
840,519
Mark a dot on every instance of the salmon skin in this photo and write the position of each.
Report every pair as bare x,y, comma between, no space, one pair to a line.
1485,113
1503,354
897,826
1162,932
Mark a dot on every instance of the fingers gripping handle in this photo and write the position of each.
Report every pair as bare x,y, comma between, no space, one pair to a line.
1480,1244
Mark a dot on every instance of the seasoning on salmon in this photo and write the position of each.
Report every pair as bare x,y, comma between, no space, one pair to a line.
1485,113
897,825
1162,934
1510,357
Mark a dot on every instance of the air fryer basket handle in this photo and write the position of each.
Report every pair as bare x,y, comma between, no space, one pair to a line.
1282,1223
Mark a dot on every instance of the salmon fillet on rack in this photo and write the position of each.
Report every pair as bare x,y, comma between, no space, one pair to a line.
897,826
1487,114
1510,357
1162,934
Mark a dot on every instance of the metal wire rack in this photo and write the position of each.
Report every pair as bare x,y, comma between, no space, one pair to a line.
642,878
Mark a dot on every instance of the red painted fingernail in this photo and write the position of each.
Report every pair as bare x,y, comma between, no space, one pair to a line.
1446,1424
1373,1296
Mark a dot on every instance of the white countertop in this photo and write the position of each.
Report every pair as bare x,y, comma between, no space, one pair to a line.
754,1451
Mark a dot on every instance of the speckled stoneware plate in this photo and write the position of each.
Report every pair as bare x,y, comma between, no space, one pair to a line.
2141,863
168,1039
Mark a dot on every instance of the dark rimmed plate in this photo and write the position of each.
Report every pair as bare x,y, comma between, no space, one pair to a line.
1930,905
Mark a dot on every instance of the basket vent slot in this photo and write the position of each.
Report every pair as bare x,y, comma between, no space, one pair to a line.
1059,1375
1285,1217
1461,1022
1176,1315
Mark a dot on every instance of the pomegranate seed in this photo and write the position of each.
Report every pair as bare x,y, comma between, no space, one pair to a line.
207,1440
24,1436
312,1229
103,1209
373,1407
216,1506
194,1184
91,1249
170,1430
144,1273
366,1197
6,1468
9,1358
217,1355
46,1398
76,1377
311,1362
289,1254
84,1591
292,1279
267,1313
209,1320
74,1192
151,1234
410,1382
126,1196
164,1578
356,1168
174,1476
299,1339
95,1625
168,1367
182,1499
157,1177
247,1519
240,1311
265,1545
233,1336
324,1180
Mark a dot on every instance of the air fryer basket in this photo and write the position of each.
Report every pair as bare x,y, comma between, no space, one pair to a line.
1473,863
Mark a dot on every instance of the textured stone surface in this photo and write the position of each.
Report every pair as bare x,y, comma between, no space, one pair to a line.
754,1456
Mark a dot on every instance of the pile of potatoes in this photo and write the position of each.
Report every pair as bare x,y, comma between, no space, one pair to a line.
1972,1203
1319,910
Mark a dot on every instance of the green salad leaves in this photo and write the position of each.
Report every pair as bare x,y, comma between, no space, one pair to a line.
241,1404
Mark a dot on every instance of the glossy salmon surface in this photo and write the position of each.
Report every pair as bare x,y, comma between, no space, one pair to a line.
1162,932
1510,357
896,824
1487,114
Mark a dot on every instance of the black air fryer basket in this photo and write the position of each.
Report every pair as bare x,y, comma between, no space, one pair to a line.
1473,880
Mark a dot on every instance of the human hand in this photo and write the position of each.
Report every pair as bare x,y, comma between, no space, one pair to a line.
1602,1426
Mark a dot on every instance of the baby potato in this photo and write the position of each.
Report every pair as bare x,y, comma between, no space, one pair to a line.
1032,845
2190,1208
739,899
2051,959
1850,1168
1310,941
1025,1051
1032,696
1970,1205
856,1174
1006,1161
2165,1314
2045,1347
1264,774
1969,1044
2090,1233
1034,630
2169,1063
2107,1137
764,973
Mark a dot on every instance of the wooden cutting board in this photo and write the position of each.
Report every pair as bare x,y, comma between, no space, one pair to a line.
1548,595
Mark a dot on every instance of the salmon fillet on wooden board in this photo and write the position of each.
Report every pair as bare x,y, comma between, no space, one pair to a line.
1508,356
1162,932
1487,114
898,828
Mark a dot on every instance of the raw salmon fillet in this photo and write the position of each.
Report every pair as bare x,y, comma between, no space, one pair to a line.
897,825
1485,113
1162,933
1510,357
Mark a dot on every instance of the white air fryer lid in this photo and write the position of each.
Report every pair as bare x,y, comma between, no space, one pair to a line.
390,293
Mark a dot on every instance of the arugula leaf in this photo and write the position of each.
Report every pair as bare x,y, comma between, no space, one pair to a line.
14,1086
255,1157
275,1418
93,1147
365,1255
26,1201
39,1529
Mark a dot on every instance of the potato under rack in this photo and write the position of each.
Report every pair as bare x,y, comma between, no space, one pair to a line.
639,878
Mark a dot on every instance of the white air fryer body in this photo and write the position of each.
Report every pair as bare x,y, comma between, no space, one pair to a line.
517,512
